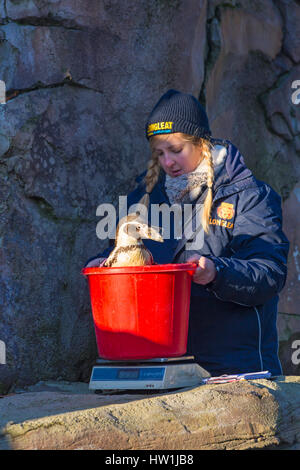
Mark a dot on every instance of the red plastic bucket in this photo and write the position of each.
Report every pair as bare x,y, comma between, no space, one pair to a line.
141,312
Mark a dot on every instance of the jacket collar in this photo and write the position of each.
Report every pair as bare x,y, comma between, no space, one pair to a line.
234,175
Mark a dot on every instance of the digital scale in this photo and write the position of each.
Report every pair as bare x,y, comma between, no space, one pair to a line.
150,374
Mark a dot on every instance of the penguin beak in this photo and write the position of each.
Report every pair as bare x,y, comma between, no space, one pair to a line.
154,233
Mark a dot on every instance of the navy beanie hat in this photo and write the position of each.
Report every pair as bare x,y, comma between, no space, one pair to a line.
178,112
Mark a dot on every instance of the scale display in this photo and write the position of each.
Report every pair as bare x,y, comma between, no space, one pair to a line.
122,373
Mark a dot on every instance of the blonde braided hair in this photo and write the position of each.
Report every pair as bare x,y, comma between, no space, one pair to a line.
153,171
151,177
206,148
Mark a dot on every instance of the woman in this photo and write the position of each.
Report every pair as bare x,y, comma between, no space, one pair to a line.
242,254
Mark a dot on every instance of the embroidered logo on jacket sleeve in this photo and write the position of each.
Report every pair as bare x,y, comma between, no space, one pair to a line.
226,212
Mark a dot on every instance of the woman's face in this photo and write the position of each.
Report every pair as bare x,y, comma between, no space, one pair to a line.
175,155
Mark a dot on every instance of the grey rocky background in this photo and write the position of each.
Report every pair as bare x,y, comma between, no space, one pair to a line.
81,78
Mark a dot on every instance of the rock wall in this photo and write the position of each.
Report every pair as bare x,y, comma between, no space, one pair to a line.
80,82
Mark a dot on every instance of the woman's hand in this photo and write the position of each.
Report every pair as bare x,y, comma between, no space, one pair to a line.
205,272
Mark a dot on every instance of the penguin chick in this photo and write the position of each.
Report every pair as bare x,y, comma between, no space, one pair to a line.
129,247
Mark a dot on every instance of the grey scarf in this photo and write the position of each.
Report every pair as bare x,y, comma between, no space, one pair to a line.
187,188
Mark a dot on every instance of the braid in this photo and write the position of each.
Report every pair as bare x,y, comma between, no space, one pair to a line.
152,174
206,151
151,177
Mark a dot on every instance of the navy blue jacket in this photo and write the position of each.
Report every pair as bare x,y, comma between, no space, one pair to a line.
232,324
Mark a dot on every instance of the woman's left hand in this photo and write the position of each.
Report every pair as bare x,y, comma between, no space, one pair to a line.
205,272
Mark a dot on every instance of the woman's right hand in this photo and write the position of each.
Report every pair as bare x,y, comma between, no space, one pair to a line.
206,270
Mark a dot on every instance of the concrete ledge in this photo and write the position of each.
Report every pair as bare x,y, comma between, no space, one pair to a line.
242,415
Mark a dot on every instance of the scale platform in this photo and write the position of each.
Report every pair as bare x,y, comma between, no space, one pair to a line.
150,374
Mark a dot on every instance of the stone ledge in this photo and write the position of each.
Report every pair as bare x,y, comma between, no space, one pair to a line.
242,415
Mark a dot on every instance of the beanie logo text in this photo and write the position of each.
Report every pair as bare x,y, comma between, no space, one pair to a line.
159,128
